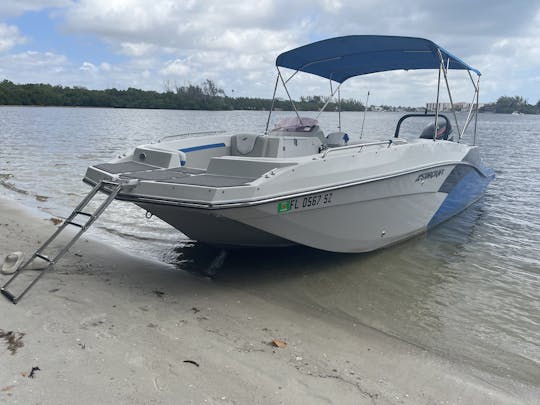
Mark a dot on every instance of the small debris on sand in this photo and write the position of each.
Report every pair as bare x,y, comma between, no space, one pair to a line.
278,343
41,198
195,310
13,340
56,221
8,388
33,372
159,293
192,362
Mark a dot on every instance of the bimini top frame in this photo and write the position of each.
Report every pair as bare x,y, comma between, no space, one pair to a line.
341,58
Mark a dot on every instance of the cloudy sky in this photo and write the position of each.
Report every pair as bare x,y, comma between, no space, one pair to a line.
149,44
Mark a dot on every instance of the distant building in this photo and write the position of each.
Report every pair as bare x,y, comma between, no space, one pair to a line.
460,106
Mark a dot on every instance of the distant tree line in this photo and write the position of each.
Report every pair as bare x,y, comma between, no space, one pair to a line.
204,96
508,105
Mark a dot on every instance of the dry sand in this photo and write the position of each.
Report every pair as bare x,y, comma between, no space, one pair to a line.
108,328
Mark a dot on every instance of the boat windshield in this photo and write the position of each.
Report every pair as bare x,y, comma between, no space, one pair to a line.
296,124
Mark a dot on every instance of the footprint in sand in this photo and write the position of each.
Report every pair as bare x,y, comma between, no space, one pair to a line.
97,322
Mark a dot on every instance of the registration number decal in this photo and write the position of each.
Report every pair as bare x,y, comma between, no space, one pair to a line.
304,202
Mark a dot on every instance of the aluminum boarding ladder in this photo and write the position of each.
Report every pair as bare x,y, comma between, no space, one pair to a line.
114,189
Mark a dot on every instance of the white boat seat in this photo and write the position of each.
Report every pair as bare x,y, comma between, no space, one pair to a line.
243,144
248,145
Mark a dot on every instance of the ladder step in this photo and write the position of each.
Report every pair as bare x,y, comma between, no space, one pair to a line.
43,257
84,213
9,295
75,223
109,182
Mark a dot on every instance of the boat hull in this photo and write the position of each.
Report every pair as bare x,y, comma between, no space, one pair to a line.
352,218
210,226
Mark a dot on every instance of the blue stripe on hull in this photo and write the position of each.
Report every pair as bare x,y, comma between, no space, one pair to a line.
464,193
202,147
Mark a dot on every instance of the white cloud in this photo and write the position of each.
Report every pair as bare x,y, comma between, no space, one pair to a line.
235,42
176,67
9,37
33,67
106,67
88,67
332,6
137,49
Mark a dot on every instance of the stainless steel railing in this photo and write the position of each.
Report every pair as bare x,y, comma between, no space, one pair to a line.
360,146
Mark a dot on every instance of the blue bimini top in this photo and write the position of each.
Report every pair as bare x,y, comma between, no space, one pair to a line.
341,58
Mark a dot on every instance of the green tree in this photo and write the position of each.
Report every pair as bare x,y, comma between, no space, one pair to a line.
508,105
206,96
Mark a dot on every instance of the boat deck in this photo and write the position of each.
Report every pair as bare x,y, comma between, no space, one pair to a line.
177,175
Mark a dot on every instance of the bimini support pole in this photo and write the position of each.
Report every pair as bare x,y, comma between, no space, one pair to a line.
445,71
476,115
364,116
288,95
437,102
332,94
339,109
272,106
473,107
339,103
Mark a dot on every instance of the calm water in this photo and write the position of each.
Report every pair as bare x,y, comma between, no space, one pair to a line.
469,290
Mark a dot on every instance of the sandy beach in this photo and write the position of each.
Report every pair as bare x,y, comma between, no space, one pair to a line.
106,327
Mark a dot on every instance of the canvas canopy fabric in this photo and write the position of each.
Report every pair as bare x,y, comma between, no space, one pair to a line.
341,58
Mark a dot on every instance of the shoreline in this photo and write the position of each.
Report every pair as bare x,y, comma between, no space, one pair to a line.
225,110
123,329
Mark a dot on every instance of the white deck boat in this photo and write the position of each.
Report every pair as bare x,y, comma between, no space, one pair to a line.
295,185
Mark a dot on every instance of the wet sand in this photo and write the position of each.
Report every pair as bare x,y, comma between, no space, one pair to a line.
107,327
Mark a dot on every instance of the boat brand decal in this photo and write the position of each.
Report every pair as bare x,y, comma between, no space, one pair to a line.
305,202
433,174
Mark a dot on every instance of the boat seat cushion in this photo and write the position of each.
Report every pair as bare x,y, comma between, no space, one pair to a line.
243,144
248,145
